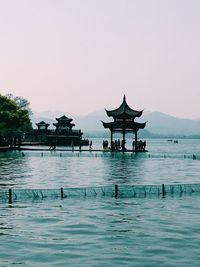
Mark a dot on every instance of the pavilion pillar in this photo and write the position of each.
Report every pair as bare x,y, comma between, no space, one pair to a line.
136,139
124,135
123,139
111,137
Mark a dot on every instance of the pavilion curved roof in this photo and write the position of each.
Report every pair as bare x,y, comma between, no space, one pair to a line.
42,123
128,125
64,121
63,118
124,111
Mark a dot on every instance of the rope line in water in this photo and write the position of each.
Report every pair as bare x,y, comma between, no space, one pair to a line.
117,191
112,154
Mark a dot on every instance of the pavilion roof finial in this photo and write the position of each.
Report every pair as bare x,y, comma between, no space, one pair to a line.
124,98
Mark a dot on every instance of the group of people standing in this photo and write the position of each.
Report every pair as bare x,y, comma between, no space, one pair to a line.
117,145
53,145
139,145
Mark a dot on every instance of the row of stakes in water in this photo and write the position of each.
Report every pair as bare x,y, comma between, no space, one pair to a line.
117,191
132,155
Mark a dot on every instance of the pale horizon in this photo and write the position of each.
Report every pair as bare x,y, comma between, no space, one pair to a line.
82,56
69,113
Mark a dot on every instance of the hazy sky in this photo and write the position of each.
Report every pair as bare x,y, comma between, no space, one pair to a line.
82,55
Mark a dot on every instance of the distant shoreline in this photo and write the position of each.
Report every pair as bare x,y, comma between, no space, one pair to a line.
142,134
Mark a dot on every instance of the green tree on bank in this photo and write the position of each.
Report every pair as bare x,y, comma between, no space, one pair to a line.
14,116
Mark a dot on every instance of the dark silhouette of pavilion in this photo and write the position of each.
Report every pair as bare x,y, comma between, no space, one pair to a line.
124,121
63,135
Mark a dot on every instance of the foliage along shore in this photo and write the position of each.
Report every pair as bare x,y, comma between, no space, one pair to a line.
14,119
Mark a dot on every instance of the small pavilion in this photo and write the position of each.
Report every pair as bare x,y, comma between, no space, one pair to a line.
42,126
124,121
42,131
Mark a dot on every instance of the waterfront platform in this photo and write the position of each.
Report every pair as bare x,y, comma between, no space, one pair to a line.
79,150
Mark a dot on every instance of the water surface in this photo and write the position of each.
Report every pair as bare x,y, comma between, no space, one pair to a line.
101,231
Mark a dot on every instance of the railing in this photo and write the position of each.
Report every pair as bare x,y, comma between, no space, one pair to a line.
117,191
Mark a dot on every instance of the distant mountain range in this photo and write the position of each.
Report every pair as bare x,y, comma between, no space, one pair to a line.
158,123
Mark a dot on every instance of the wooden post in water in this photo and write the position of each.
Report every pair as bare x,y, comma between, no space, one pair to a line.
62,192
10,196
116,191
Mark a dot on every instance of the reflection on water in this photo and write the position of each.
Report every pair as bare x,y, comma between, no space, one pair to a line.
123,168
101,231
34,169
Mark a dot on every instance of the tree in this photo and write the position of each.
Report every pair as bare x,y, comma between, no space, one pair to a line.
14,115
21,102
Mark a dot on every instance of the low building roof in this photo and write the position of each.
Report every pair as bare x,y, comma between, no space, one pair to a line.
42,123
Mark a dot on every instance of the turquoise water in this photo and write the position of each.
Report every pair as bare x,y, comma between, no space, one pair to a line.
101,231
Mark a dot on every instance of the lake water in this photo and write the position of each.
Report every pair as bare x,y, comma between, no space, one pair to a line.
103,231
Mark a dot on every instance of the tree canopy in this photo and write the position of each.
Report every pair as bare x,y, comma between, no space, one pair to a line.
14,115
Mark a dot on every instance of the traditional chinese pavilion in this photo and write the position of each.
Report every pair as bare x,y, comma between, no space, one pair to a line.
63,135
42,126
64,125
42,131
124,121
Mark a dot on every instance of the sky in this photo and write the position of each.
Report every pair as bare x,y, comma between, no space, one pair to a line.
80,56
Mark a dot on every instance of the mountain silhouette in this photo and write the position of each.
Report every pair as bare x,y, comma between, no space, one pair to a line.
157,122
